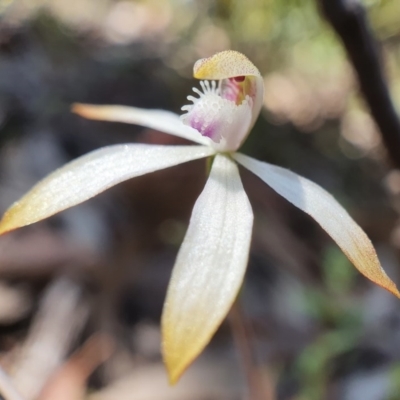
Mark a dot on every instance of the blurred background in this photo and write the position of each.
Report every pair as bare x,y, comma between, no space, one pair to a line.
81,294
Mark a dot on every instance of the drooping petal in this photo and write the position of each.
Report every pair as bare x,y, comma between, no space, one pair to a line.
160,120
91,174
332,217
209,268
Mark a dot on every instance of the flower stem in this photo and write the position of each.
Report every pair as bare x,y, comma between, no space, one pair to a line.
209,163
259,383
7,389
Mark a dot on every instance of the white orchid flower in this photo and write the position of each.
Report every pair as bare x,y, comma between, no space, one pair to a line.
212,260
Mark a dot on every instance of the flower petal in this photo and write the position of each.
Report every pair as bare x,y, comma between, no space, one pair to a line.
231,64
332,217
91,174
160,120
209,268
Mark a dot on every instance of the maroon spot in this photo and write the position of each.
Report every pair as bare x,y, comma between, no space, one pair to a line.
239,78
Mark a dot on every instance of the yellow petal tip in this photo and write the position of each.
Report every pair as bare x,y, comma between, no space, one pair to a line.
173,376
176,365
368,264
4,228
392,288
179,351
99,112
8,222
223,65
84,110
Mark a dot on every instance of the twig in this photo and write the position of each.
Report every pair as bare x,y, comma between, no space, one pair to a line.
61,316
7,389
349,20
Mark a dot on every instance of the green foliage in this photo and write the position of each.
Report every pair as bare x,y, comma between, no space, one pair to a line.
339,325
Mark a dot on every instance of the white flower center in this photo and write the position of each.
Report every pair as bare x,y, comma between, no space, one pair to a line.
217,116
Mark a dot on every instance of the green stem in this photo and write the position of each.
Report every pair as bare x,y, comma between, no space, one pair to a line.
209,163
258,381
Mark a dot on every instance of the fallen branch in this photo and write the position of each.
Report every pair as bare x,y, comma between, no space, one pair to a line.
349,20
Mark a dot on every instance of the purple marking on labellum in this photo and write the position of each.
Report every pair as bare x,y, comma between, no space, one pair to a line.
209,130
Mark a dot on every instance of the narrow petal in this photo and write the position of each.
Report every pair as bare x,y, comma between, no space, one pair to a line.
91,174
160,120
209,268
332,217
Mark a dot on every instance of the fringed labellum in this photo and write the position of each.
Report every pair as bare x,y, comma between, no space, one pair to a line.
227,107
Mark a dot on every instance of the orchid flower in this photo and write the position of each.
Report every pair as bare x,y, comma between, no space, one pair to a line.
213,257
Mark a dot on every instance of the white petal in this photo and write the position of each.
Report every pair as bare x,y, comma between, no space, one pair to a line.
91,174
332,217
209,268
160,120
